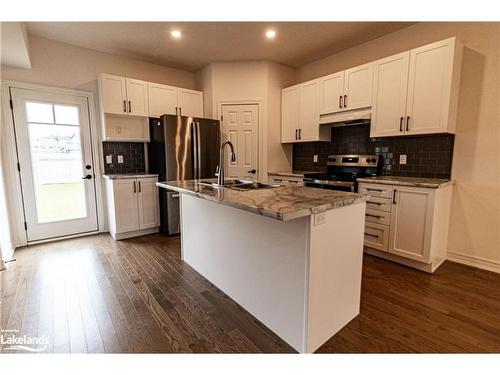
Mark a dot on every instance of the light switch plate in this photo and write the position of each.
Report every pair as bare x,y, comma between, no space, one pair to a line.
109,159
315,158
402,159
319,219
120,159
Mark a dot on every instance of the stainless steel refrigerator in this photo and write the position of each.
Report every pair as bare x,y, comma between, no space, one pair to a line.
181,148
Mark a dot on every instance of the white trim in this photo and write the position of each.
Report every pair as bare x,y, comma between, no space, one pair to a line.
474,261
92,233
262,136
15,201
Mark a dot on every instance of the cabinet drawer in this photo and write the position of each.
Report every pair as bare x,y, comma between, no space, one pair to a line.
376,236
376,190
376,203
378,216
284,180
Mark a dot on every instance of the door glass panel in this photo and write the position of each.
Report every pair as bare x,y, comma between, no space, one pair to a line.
56,159
66,114
40,112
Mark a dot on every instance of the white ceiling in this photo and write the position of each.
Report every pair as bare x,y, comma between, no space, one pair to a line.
296,43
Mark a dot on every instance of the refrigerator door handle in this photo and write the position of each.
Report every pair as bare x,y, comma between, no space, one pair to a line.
195,150
198,146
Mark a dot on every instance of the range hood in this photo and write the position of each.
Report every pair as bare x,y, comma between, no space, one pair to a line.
347,118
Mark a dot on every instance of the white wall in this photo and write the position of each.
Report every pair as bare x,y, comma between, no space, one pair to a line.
260,81
474,235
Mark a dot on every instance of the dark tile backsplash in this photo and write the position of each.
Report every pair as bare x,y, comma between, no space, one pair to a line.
133,157
427,156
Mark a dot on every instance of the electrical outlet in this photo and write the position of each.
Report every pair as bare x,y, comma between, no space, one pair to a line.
120,159
109,159
402,159
319,219
315,158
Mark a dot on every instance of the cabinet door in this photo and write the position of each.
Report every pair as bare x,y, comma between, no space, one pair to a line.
137,97
147,203
332,93
411,223
358,87
162,99
289,114
390,83
429,88
113,94
309,93
125,196
190,102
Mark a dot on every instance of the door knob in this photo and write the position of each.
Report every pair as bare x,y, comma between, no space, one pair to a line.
252,171
87,177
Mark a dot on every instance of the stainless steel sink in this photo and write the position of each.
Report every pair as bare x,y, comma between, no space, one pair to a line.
252,186
240,185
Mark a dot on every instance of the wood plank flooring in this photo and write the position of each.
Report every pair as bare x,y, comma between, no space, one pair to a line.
96,295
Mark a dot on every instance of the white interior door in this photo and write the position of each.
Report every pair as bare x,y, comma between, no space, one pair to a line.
54,150
240,125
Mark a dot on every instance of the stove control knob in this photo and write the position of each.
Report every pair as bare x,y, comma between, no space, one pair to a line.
373,160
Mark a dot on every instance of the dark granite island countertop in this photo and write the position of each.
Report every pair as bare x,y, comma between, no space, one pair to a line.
283,203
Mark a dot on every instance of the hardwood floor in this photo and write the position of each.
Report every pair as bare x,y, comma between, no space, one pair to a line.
96,295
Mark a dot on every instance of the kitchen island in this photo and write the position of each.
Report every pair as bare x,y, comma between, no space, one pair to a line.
290,255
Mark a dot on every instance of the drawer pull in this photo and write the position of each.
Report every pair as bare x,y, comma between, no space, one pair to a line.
377,203
394,197
371,235
375,216
379,190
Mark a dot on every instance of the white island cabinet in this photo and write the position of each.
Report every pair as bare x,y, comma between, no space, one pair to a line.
289,255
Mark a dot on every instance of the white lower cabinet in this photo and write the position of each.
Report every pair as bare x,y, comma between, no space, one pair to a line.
132,206
410,227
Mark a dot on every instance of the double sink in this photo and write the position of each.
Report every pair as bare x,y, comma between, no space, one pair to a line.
242,185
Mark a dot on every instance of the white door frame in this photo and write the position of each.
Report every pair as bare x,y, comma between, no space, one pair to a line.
262,139
10,159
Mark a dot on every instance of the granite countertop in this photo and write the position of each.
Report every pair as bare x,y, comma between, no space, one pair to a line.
408,181
128,175
282,203
299,174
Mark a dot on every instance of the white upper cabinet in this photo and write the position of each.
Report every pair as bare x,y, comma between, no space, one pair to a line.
347,90
162,99
390,82
433,87
309,94
358,84
290,114
332,93
123,96
300,114
190,102
113,92
416,92
137,97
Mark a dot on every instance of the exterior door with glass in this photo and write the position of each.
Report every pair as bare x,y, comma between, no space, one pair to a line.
55,163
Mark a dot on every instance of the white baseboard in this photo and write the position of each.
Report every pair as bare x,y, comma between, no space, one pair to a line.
485,264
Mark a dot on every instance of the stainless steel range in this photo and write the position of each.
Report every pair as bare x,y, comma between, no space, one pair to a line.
342,172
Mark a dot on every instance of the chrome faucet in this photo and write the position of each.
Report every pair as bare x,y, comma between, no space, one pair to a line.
220,167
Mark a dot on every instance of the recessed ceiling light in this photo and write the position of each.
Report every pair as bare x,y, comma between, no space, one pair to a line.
270,34
176,34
